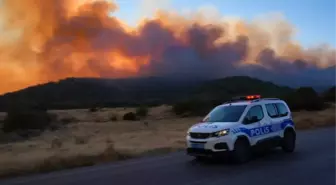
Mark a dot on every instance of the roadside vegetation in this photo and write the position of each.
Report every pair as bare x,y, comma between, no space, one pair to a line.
303,98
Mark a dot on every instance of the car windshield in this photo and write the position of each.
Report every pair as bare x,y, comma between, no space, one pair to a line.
225,113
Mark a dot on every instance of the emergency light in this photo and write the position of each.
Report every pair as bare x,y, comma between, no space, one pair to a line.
248,97
252,97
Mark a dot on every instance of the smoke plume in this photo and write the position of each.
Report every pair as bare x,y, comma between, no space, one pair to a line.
47,40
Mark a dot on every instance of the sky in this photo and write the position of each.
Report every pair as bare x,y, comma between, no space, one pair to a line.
49,40
314,19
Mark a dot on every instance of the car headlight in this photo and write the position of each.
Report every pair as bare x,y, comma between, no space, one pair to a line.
221,133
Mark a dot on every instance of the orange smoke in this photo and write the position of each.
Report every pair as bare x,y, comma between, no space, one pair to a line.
47,40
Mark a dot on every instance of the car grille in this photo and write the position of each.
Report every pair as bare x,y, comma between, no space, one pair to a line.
199,135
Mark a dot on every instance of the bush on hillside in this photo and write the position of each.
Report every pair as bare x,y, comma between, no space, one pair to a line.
93,109
305,98
192,107
113,118
142,111
130,116
26,119
329,95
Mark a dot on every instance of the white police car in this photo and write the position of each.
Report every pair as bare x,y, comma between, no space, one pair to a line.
238,126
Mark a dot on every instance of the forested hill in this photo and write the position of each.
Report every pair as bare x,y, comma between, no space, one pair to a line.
88,92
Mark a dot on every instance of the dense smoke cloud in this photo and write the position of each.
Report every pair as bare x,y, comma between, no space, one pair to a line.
47,40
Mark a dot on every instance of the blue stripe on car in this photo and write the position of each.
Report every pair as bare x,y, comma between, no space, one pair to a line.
263,129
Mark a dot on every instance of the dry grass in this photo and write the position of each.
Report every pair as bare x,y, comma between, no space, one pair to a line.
93,137
309,120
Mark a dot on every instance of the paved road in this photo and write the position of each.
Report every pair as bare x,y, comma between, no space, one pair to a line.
313,163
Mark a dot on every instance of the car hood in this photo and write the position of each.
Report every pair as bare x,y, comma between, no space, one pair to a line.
208,127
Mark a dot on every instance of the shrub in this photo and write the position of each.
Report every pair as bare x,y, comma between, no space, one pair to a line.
191,107
68,120
79,140
56,143
142,111
305,98
93,109
113,118
130,116
26,119
329,95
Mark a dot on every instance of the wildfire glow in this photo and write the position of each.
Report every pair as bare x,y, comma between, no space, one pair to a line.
47,40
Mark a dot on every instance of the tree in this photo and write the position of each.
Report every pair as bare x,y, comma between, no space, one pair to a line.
305,98
26,119
329,95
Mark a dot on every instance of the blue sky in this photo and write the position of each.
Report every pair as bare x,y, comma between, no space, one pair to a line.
315,19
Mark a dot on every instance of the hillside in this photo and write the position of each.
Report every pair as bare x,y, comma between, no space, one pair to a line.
88,92
239,86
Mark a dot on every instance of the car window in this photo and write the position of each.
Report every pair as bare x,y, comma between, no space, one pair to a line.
282,109
255,114
271,110
225,113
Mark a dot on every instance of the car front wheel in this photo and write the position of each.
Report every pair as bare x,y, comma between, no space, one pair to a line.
241,152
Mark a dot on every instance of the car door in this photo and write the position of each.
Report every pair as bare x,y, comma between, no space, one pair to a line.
273,118
283,115
253,121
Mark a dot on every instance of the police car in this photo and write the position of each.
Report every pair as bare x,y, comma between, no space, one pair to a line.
240,125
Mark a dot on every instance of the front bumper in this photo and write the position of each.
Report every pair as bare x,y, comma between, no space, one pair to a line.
205,152
210,147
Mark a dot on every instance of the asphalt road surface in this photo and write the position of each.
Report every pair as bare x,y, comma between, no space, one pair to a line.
312,163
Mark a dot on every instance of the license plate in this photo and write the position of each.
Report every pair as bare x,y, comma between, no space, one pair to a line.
197,145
